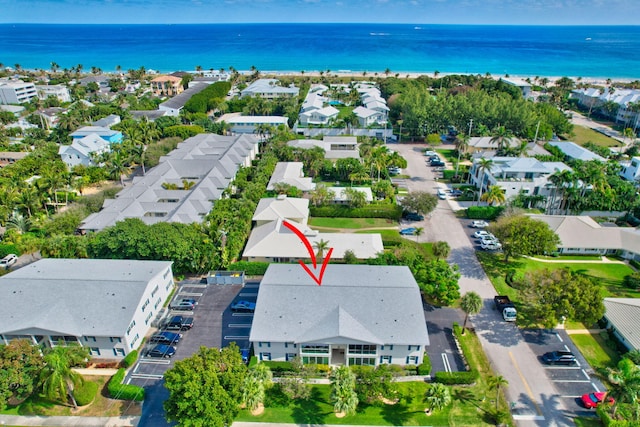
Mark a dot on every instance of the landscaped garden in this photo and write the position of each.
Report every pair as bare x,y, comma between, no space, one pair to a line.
582,135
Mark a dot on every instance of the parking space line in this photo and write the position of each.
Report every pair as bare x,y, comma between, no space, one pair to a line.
147,376
560,338
529,417
570,397
242,314
526,385
191,294
236,337
586,375
595,388
248,294
156,362
575,368
445,360
570,381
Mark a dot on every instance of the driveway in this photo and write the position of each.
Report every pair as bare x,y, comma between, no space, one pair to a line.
534,398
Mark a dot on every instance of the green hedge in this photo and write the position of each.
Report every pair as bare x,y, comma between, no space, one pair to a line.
85,393
371,211
425,367
451,378
117,390
6,249
484,212
206,99
278,367
603,412
130,359
249,268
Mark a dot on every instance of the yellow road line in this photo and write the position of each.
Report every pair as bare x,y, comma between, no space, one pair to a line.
526,384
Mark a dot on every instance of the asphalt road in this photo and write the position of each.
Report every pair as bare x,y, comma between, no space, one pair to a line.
534,390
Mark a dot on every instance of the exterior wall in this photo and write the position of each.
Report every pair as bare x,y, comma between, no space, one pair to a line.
73,158
60,92
249,127
147,309
339,354
166,87
618,335
17,93
174,112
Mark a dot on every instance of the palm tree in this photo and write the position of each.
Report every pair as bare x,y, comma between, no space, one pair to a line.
321,246
18,222
29,199
441,249
625,383
253,392
483,166
438,396
462,143
470,303
419,232
497,382
501,136
281,187
343,394
494,195
117,167
58,379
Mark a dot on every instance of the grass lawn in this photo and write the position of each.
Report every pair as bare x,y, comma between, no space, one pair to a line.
584,135
102,406
448,153
352,223
587,422
595,348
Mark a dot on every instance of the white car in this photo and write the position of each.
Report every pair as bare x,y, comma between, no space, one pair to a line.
491,246
479,224
489,238
430,153
8,261
480,233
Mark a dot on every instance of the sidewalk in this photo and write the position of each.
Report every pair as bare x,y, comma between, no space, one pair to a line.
18,420
604,260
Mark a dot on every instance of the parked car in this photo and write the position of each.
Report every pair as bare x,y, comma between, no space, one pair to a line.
491,246
8,261
560,357
489,239
479,224
456,193
244,353
179,323
437,163
243,307
478,234
394,170
182,306
408,231
165,337
591,400
162,350
413,216
430,153
439,169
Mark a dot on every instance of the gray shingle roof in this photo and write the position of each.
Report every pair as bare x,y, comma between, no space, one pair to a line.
356,303
75,296
179,100
576,152
624,314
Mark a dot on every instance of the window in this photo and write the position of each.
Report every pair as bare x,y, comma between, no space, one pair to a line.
389,347
292,344
133,342
315,360
366,361
290,356
362,349
146,321
146,303
157,303
385,359
414,347
94,351
118,351
315,349
87,339
412,360
166,273
265,356
131,327
154,291
264,344
115,339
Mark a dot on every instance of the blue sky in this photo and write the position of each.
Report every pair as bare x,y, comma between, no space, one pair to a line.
536,12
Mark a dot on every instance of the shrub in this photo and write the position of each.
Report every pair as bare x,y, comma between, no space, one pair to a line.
85,393
279,367
249,268
484,212
632,280
370,211
452,378
6,249
117,390
130,359
182,131
425,367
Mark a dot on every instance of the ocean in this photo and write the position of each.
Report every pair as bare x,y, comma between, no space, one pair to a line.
575,51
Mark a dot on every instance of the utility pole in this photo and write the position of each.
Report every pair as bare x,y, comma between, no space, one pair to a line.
470,125
535,138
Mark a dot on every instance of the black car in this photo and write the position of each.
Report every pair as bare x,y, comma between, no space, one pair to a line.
162,350
179,323
243,307
165,337
559,358
413,216
437,163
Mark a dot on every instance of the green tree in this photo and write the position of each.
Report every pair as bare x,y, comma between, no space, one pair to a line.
470,303
343,393
58,379
438,396
355,198
441,249
204,390
501,137
494,195
419,232
373,382
438,280
420,202
625,384
521,235
20,365
321,195
483,166
497,383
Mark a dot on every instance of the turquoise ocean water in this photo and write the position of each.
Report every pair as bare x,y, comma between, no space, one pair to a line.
586,51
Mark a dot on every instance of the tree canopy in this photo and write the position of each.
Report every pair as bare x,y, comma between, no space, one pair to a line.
420,202
522,235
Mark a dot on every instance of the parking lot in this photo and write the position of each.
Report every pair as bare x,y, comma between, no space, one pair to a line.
570,381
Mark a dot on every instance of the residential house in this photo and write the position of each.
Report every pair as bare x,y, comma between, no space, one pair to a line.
319,117
107,122
594,98
335,147
51,116
16,91
575,152
281,207
290,173
84,151
166,86
367,117
108,306
150,115
251,124
523,85
581,235
57,91
631,170
269,89
185,184
623,319
173,106
361,315
111,136
485,144
101,80
339,194
517,174
10,157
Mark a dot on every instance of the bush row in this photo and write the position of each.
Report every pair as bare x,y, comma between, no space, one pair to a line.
371,211
451,378
249,268
484,212
117,390
85,393
6,249
425,367
130,359
207,99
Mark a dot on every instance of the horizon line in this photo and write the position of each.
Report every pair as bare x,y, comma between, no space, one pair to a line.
321,23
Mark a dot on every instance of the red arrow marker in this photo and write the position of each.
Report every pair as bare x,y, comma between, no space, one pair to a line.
312,255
